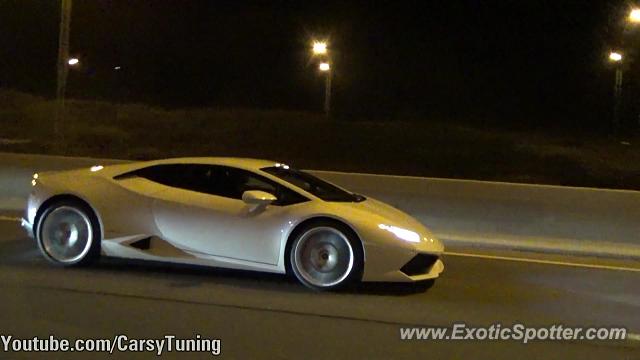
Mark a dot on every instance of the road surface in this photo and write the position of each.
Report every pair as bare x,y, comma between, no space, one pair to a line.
269,316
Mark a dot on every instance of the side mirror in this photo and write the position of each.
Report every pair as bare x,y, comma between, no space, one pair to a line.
257,197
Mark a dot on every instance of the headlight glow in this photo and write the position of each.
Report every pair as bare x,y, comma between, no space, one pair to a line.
31,214
400,233
97,168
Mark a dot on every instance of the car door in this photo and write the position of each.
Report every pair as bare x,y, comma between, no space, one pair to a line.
205,214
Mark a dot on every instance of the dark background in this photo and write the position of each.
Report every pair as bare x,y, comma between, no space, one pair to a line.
505,63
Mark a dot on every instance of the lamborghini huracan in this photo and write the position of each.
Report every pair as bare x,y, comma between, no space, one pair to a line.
228,212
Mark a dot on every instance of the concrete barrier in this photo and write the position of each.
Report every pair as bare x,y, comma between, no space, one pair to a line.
460,212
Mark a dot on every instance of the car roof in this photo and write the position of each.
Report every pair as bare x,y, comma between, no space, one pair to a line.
253,165
244,163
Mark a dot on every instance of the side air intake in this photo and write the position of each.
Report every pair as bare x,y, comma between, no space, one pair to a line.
143,244
420,264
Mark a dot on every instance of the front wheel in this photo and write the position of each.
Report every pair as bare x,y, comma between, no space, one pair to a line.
68,234
326,256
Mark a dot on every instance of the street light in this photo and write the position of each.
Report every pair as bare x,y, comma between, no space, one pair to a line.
63,69
319,48
73,61
615,56
634,15
325,67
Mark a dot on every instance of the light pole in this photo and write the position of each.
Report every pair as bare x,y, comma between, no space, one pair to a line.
325,67
634,19
320,49
63,63
616,59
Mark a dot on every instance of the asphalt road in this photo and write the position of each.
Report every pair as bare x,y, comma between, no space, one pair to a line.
269,316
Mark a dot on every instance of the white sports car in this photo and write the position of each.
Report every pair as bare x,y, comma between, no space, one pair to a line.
228,212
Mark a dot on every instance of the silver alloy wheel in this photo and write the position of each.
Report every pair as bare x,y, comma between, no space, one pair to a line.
66,234
323,256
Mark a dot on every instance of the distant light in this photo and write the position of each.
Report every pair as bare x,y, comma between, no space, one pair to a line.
117,68
324,66
34,182
319,47
36,176
615,56
97,168
634,15
73,61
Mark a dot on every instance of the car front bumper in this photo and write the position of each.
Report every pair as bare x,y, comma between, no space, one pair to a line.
391,265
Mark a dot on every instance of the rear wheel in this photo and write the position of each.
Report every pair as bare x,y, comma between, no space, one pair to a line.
68,234
326,256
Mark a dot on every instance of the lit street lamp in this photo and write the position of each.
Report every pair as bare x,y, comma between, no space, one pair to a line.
634,15
73,61
319,48
324,66
615,56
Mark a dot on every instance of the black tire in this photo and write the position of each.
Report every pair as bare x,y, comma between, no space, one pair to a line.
90,252
346,242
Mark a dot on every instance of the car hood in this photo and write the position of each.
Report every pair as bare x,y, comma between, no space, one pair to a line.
371,217
375,212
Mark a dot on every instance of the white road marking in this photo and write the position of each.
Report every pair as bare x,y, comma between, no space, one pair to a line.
548,262
633,337
9,218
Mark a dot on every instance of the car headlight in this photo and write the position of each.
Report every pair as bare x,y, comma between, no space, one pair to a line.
400,233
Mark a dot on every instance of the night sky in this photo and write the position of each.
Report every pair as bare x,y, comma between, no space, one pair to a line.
536,62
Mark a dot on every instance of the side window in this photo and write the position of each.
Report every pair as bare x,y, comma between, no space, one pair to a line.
192,177
232,183
162,174
215,180
288,197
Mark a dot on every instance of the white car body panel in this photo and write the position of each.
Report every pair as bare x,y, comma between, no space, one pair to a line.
189,227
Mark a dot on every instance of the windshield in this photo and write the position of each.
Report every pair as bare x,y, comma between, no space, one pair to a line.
313,185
